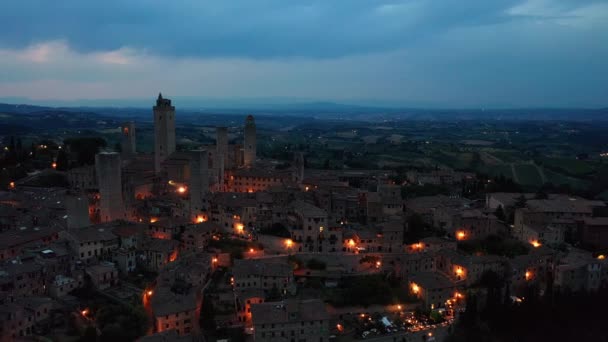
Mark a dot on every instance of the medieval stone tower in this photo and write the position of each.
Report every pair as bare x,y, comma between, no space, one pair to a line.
249,146
108,169
199,180
221,144
164,131
127,140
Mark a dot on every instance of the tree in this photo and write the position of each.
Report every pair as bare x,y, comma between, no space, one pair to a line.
500,213
207,319
294,262
316,264
121,323
277,229
62,161
542,194
274,294
369,259
415,229
326,164
85,148
521,202
89,334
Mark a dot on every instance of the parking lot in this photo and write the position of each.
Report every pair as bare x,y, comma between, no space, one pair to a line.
389,324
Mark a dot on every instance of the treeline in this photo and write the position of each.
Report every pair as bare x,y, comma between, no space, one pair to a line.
491,316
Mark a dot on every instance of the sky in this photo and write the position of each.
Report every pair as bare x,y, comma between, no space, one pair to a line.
416,53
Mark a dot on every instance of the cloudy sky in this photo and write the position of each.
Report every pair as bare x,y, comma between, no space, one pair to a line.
421,53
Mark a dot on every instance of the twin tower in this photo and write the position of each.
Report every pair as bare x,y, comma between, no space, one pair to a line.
108,164
164,136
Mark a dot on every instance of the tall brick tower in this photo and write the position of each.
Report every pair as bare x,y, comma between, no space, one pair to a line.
164,131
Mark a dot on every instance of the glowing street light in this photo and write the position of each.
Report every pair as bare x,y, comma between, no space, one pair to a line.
54,165
150,293
84,312
415,288
11,185
153,219
528,275
289,243
181,189
200,219
461,235
601,257
535,243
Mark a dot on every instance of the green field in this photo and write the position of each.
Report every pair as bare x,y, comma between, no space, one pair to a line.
506,156
527,174
571,166
454,159
498,170
559,179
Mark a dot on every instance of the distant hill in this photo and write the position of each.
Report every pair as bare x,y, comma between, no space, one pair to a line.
323,110
19,119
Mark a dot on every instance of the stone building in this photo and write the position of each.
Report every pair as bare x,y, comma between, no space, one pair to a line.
291,320
249,145
164,131
109,179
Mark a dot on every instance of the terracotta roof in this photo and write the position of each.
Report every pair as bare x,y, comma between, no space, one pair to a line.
289,311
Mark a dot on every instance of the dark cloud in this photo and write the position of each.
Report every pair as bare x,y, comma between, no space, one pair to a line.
259,29
431,52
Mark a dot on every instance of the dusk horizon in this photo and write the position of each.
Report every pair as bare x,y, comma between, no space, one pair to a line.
471,54
304,171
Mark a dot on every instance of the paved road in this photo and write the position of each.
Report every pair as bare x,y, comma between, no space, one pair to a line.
439,333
